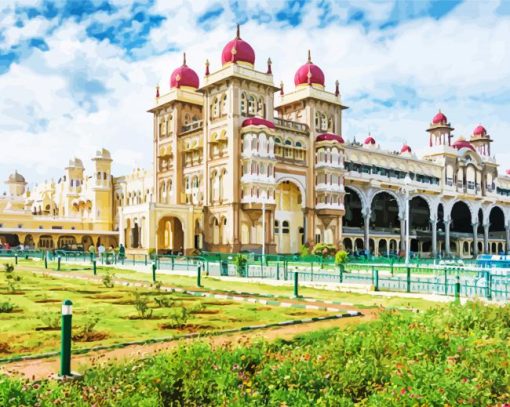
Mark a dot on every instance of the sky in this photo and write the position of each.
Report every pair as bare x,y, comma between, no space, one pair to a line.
80,75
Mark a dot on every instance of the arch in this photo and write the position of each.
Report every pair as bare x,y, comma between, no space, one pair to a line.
289,216
353,203
419,213
170,235
383,247
298,181
347,243
29,241
66,242
359,244
496,219
384,212
461,217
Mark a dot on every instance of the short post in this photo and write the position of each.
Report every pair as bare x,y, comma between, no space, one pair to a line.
341,267
277,271
391,266
296,284
145,259
172,260
59,259
199,276
46,261
488,287
94,267
375,276
457,290
65,349
16,258
445,281
408,279
154,266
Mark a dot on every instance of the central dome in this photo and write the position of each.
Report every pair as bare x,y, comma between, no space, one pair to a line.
309,74
184,76
238,50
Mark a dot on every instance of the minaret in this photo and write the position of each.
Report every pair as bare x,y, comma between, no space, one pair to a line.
102,187
481,141
440,131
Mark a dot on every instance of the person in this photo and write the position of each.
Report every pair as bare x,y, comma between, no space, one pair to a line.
101,250
92,251
122,253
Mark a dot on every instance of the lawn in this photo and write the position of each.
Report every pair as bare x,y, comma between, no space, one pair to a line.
103,315
284,291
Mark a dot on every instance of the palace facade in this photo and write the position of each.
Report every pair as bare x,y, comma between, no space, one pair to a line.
238,162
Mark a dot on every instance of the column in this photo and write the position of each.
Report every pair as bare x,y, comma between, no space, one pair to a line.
433,225
447,236
475,239
507,238
403,235
122,235
486,238
366,234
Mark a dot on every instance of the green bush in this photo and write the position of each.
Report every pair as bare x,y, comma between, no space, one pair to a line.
141,304
240,261
11,278
6,307
164,302
341,257
304,250
179,316
108,280
452,355
324,250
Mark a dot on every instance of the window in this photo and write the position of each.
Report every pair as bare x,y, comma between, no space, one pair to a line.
285,226
251,105
243,103
276,224
223,110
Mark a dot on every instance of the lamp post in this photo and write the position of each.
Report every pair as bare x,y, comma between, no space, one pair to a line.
264,198
407,189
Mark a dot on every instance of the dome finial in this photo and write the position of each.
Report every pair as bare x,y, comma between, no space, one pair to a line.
183,59
309,57
206,67
238,32
269,63
281,88
157,90
337,88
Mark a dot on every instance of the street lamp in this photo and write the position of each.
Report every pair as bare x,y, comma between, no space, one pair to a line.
264,198
407,189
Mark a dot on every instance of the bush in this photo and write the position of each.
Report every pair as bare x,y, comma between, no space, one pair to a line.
108,280
304,250
324,250
157,285
141,304
240,261
341,257
164,302
87,330
6,307
11,278
179,317
51,320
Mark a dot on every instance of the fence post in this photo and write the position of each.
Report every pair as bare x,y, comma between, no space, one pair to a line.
172,259
145,259
199,276
391,266
58,263
154,271
341,266
46,261
408,279
65,349
488,279
94,267
277,270
16,258
445,281
457,289
296,284
375,276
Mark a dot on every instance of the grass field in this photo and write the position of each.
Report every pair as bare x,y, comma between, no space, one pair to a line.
104,315
212,283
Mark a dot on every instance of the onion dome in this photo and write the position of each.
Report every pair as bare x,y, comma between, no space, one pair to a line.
184,76
405,149
329,137
369,140
461,142
16,177
507,172
238,50
479,131
439,118
257,121
309,74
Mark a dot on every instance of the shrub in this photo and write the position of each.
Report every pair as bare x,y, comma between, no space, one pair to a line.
11,278
51,320
141,304
87,330
179,317
108,280
304,250
240,262
324,249
341,257
157,285
164,302
197,308
6,307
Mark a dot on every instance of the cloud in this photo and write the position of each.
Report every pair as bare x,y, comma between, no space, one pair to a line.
75,81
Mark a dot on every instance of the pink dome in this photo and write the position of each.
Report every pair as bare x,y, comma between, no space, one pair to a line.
257,121
507,172
462,143
184,76
309,73
439,118
369,140
238,50
479,131
329,137
405,149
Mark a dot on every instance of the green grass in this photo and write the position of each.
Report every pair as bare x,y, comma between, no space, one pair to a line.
39,295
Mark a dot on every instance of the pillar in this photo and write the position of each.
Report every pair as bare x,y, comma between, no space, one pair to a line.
507,238
403,235
447,236
486,238
122,235
366,234
475,239
433,225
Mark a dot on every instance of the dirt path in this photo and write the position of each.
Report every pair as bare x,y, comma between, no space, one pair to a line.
44,368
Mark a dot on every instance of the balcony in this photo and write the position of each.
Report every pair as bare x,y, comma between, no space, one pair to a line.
290,125
329,188
196,125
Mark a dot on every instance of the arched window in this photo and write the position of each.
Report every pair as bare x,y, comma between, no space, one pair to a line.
324,122
260,107
214,108
285,226
223,108
243,103
317,120
187,119
251,105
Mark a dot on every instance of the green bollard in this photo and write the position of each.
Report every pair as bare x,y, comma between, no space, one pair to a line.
375,276
341,267
172,260
457,290
391,265
46,261
199,276
296,284
445,281
154,271
94,267
65,349
58,263
488,279
15,259
408,279
277,271
145,259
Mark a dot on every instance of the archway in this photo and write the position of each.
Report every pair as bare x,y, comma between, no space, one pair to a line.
289,217
29,241
67,243
496,222
461,218
353,216
86,242
11,239
419,214
348,245
383,247
170,235
384,213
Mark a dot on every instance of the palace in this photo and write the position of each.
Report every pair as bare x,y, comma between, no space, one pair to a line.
239,163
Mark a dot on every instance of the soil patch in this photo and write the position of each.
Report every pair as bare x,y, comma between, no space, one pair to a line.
136,317
218,303
13,293
46,328
90,337
104,296
47,300
87,292
189,328
4,347
206,311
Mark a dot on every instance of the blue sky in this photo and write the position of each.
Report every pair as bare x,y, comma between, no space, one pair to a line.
79,75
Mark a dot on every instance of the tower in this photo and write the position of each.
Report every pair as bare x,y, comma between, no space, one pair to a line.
440,131
16,184
481,141
102,190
